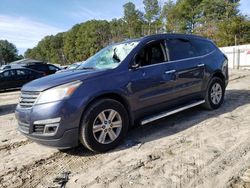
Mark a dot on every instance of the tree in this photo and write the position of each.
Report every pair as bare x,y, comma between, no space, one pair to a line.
152,12
235,30
168,16
69,47
118,29
222,22
91,37
133,19
188,15
8,52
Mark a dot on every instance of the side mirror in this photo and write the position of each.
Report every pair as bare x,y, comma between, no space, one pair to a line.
136,62
134,65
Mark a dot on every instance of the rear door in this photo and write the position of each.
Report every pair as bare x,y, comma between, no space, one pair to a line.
39,67
152,82
8,79
22,76
188,67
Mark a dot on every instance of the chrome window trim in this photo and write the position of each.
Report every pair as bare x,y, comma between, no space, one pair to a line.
197,57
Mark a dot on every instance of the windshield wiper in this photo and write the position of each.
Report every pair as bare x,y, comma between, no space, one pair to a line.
86,68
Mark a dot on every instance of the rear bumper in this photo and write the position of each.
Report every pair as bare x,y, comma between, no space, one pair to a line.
68,140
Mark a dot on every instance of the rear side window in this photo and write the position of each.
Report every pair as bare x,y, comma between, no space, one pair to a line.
39,67
180,49
53,68
21,72
202,46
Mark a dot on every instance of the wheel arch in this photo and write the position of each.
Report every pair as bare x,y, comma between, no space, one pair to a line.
115,96
220,75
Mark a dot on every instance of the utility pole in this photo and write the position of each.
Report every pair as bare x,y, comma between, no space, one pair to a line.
235,40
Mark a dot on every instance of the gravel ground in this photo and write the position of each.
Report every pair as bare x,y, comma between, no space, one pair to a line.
194,148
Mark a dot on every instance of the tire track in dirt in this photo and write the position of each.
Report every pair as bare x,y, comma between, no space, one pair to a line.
241,181
14,145
234,160
18,177
42,172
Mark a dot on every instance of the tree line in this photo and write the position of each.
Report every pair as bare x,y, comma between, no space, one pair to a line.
219,20
8,52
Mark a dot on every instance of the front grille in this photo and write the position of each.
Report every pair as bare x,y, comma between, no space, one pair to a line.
39,128
28,98
24,127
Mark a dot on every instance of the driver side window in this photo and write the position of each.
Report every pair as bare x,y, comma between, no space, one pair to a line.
152,54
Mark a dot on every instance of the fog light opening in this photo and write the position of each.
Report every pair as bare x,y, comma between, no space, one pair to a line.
51,128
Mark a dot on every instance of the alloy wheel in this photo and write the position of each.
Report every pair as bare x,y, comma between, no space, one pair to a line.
216,93
107,126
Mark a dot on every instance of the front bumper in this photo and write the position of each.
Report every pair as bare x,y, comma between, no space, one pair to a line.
68,140
65,116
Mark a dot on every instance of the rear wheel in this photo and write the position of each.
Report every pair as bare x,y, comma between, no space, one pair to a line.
214,94
104,125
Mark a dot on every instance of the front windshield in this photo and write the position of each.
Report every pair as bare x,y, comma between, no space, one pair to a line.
109,57
73,66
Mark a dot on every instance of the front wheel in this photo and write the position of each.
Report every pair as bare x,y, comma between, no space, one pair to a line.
214,94
104,125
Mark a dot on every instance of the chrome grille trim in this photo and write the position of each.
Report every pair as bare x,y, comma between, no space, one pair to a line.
28,98
39,128
24,127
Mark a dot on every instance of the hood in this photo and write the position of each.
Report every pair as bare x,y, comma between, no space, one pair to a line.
50,81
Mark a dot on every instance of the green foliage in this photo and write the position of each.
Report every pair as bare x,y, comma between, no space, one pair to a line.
152,13
235,30
91,37
133,19
168,16
219,20
49,49
8,52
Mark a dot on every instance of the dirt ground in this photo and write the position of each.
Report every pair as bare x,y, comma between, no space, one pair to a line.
194,148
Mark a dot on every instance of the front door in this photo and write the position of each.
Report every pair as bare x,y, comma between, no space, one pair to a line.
152,82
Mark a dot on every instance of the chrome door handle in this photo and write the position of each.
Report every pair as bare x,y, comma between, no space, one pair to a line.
170,72
201,65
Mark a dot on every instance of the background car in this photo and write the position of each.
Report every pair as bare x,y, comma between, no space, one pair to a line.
16,78
10,66
43,67
71,67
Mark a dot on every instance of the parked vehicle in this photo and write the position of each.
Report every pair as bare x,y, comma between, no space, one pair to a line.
74,65
10,66
43,67
136,81
16,78
40,67
70,67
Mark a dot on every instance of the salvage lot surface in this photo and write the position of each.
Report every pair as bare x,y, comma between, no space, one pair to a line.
194,148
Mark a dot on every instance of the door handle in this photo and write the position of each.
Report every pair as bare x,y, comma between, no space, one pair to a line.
201,65
170,72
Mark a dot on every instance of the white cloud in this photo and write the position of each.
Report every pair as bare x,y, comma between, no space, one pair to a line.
84,13
24,32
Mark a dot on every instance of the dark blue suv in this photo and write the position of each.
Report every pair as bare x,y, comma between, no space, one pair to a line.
136,81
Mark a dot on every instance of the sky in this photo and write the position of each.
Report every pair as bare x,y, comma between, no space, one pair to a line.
25,22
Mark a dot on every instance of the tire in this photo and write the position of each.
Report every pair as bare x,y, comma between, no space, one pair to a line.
212,99
108,132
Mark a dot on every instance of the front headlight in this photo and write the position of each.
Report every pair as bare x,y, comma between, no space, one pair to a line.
58,93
